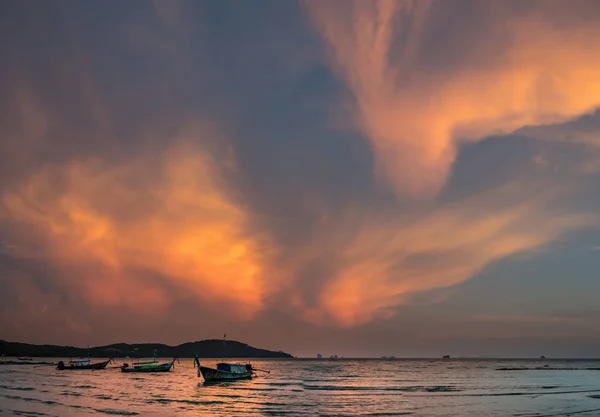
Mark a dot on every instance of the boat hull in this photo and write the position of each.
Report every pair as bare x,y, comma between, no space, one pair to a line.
214,375
163,367
99,365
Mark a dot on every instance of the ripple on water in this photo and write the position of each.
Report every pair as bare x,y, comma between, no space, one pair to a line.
510,394
282,384
116,412
8,387
29,399
338,390
191,402
417,388
283,413
71,393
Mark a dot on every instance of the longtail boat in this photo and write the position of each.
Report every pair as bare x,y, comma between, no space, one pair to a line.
79,364
148,366
226,372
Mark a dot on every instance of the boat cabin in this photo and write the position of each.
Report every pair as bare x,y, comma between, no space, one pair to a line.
234,368
79,362
145,363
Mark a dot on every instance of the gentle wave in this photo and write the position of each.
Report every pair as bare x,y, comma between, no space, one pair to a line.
343,389
29,399
545,368
71,393
26,413
8,387
441,388
116,412
509,394
191,402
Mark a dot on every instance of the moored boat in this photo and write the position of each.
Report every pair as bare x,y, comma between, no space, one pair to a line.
148,366
80,364
226,372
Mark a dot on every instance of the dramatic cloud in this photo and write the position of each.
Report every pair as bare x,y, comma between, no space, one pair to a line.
174,163
107,226
382,259
426,76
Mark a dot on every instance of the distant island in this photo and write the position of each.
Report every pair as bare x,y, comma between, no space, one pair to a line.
212,348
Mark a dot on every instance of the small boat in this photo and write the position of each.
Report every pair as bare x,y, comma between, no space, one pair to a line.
226,372
148,366
29,358
81,364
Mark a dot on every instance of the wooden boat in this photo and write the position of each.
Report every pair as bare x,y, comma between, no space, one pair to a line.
148,366
226,372
78,364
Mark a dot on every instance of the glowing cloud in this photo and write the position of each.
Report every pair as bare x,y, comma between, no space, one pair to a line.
383,259
112,229
417,100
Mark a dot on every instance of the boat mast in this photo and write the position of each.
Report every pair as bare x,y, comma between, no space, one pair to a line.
224,337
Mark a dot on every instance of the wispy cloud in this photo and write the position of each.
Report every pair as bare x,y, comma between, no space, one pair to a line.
381,258
113,201
420,92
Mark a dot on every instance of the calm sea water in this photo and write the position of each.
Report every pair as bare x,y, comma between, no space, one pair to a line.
303,387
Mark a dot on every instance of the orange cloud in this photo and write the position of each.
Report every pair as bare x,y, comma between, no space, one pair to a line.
524,66
383,258
107,226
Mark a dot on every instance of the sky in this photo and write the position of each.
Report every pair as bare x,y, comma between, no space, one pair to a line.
407,178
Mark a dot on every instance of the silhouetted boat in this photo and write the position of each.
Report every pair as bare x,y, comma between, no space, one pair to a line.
148,366
226,372
79,364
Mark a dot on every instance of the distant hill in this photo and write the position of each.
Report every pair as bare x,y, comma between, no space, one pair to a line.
211,348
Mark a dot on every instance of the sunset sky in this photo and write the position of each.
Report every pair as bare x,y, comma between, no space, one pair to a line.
360,178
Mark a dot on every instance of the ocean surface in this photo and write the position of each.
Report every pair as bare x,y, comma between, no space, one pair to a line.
452,387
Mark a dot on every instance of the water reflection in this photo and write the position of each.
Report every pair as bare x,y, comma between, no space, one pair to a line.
297,387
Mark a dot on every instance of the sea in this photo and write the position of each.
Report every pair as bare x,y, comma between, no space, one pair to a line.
299,387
